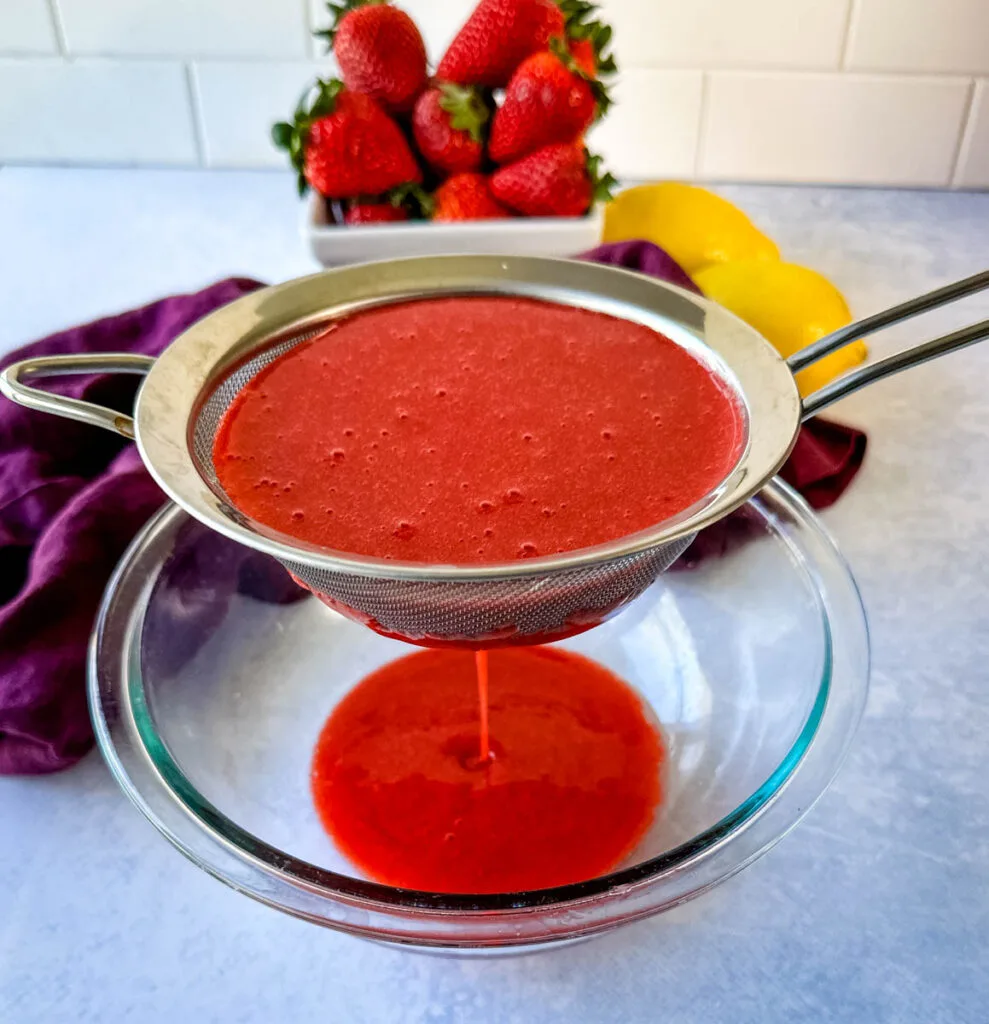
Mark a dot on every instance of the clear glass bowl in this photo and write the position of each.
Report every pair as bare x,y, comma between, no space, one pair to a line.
207,704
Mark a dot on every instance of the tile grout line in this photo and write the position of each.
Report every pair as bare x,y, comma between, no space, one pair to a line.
261,60
965,136
195,112
57,27
162,56
702,121
851,21
309,27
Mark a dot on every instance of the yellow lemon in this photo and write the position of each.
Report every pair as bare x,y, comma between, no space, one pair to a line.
790,306
694,226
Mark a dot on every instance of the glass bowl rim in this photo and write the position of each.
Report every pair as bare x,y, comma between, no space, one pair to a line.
330,885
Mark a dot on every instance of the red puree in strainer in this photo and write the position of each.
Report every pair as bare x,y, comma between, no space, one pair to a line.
476,430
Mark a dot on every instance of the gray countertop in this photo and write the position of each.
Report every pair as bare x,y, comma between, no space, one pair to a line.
875,909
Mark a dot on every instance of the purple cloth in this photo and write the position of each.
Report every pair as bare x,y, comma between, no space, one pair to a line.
72,497
645,257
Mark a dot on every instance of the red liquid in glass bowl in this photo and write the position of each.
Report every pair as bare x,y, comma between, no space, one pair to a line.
571,783
475,430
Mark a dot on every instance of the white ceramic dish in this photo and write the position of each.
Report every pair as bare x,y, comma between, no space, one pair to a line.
334,245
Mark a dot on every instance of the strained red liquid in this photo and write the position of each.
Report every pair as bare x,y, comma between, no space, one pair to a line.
570,785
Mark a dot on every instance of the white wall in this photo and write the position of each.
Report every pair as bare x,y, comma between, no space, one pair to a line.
860,91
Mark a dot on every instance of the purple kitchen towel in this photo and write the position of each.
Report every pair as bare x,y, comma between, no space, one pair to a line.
645,257
71,499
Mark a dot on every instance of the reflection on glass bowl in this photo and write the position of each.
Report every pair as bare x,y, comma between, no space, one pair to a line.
208,702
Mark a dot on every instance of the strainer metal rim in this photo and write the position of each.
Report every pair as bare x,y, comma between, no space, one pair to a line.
176,386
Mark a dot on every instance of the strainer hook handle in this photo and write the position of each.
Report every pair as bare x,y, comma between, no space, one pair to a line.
14,385
886,367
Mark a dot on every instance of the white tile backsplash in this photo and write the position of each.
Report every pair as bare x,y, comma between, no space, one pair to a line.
724,34
920,35
856,91
821,128
243,28
95,111
239,100
26,27
973,161
652,129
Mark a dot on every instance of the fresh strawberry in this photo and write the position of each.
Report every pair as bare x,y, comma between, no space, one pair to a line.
466,196
561,180
547,100
344,145
496,38
588,39
374,212
448,123
582,51
379,50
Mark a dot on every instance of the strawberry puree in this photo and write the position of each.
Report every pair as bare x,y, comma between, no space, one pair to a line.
476,429
570,786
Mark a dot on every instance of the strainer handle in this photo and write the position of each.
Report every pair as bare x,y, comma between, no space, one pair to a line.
913,356
13,384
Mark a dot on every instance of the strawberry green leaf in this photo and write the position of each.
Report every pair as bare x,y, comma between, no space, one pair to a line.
416,200
325,100
602,97
281,134
558,47
602,182
466,107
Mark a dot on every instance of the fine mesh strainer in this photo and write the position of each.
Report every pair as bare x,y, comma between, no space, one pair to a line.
190,386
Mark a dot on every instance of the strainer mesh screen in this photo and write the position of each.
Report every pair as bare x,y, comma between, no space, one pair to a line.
530,608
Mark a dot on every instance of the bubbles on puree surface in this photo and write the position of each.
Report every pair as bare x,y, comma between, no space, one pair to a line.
580,429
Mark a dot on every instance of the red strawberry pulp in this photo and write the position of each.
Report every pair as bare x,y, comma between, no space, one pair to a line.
476,430
473,430
570,787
